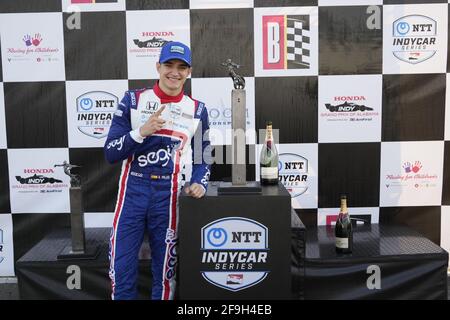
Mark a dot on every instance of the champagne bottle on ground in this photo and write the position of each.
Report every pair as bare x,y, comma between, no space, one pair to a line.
343,229
268,159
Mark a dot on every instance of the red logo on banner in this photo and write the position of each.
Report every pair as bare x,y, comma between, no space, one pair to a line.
274,45
92,1
330,219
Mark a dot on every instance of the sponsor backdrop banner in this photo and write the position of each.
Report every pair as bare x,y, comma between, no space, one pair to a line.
6,246
357,89
33,48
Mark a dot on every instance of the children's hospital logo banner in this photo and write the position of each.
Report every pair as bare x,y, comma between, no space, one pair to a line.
32,47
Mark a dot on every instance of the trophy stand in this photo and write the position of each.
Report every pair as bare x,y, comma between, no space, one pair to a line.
78,248
239,184
214,225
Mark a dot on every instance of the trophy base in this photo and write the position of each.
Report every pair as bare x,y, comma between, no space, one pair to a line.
227,188
91,252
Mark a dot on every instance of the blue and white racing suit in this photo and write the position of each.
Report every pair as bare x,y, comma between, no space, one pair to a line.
150,183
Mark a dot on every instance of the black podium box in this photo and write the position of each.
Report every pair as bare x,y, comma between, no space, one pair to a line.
41,276
387,262
235,246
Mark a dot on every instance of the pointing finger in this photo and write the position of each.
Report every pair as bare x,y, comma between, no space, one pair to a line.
160,110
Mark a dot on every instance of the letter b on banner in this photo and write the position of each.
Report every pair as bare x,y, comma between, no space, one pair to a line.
273,42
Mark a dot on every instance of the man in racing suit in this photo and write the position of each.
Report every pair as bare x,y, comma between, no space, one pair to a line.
152,132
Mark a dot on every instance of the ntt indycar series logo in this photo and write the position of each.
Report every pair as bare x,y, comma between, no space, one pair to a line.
95,111
414,38
293,170
234,253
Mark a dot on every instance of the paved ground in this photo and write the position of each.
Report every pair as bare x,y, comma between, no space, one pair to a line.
9,291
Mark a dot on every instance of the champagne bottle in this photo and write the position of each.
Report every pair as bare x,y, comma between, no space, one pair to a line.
343,229
268,159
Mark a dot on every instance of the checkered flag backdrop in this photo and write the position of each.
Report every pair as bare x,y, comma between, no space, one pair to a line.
298,49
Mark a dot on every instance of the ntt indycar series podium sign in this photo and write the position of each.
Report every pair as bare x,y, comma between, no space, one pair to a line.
234,243
235,246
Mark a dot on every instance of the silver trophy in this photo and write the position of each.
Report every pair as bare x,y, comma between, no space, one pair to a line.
239,182
78,249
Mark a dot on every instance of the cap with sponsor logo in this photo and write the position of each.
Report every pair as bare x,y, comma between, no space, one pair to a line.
175,50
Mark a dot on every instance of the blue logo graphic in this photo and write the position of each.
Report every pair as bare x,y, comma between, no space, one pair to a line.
86,104
177,49
234,253
403,28
217,237
95,111
414,38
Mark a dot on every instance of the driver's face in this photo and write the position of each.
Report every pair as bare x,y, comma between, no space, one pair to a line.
172,76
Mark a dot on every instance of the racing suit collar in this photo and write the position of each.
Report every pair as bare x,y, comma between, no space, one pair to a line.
165,98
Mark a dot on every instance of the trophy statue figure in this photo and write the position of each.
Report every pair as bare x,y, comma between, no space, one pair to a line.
239,184
78,248
75,180
238,81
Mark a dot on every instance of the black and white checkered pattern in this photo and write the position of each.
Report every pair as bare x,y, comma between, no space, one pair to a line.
338,52
298,40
